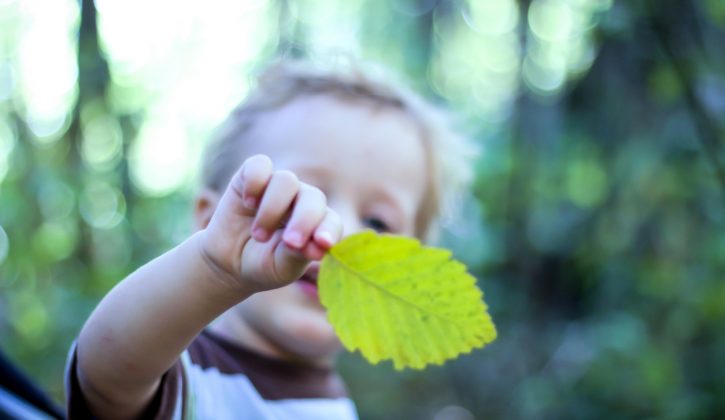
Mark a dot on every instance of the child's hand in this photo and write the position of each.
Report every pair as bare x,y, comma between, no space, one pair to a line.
267,227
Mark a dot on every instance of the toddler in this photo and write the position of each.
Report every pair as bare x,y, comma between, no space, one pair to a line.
311,156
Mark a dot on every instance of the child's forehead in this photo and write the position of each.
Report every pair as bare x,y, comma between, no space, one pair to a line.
327,136
321,105
324,121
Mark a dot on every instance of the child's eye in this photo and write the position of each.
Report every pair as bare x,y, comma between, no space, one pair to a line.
376,224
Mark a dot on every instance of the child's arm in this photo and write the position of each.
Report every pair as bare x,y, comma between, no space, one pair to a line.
141,327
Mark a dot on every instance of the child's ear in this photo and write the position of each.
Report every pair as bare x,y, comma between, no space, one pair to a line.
204,205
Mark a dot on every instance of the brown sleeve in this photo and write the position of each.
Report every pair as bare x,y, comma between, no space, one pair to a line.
161,408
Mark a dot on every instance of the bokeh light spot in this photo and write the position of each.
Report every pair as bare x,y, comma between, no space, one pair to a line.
495,17
102,205
48,42
56,199
7,143
159,159
543,80
102,142
586,183
7,83
55,240
30,318
453,412
551,20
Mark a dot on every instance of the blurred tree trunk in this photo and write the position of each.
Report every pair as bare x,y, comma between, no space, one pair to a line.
517,197
290,36
93,84
421,53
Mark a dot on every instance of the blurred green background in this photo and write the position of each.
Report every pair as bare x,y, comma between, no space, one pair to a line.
596,224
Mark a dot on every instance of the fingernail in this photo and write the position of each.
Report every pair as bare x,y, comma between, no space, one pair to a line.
260,234
324,238
293,238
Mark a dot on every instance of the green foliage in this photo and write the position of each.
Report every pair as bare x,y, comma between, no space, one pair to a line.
395,300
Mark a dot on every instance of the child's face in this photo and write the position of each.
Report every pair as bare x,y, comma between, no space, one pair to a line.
371,164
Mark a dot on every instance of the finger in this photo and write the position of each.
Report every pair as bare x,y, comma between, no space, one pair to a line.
308,210
256,172
312,251
329,231
289,263
278,197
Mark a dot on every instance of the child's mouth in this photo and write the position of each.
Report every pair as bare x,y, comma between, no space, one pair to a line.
308,282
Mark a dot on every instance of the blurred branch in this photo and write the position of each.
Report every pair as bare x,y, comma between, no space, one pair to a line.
706,127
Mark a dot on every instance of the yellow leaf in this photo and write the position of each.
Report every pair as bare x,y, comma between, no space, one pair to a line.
394,299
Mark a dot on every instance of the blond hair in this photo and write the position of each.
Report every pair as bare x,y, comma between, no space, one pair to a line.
448,153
